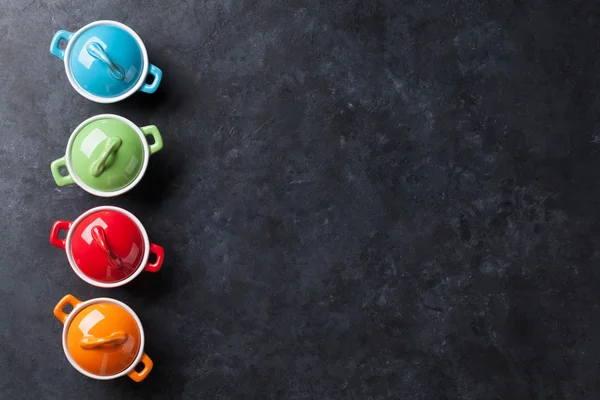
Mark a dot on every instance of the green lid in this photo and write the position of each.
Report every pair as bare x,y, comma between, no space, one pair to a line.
107,154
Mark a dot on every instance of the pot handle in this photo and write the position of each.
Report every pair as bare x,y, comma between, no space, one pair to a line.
92,342
152,130
99,165
67,300
58,178
58,36
160,257
56,228
143,374
99,236
157,73
95,50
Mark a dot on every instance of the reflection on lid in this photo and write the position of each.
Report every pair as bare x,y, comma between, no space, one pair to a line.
135,250
86,58
129,345
132,164
103,365
90,320
131,73
93,140
87,232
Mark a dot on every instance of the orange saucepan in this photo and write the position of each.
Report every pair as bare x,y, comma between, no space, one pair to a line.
103,338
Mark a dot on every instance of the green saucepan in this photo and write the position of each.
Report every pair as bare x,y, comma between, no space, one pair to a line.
107,155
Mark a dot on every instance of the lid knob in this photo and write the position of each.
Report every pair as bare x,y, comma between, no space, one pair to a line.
98,166
99,237
92,342
96,51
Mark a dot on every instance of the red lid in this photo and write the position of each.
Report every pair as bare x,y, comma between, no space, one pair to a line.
107,246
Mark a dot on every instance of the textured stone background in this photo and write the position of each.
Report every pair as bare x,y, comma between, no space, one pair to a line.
358,199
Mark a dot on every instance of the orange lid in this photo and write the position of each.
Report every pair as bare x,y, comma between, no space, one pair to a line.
103,339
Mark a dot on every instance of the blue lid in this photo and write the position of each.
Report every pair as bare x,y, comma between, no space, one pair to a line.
106,60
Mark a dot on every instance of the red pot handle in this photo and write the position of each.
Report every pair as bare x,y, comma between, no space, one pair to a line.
99,237
160,256
56,228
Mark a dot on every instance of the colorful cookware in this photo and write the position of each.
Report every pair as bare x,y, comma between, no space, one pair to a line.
107,155
106,61
107,246
103,338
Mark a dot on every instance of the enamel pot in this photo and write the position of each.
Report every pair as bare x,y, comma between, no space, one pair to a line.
107,246
103,338
107,155
106,61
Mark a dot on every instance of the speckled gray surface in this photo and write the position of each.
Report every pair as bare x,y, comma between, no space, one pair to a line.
358,199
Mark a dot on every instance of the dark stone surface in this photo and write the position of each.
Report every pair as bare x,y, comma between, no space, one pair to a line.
358,199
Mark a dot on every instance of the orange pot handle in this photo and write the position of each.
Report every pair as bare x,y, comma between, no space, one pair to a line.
91,342
140,376
67,300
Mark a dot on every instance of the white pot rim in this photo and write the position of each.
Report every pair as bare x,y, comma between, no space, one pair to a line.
80,307
101,193
94,282
99,99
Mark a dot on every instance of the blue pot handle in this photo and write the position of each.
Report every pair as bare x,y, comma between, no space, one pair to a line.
157,73
95,50
58,36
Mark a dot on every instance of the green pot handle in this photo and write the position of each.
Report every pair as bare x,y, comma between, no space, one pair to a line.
58,178
152,130
98,166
